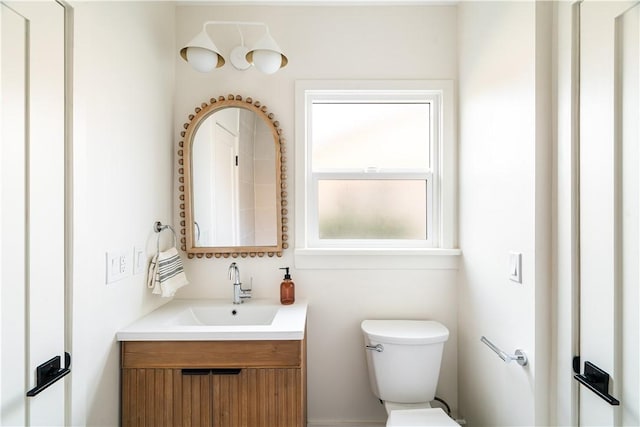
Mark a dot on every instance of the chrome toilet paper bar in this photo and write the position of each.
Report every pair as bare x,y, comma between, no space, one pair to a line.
519,355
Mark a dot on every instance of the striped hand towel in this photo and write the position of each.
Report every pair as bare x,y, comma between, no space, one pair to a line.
166,274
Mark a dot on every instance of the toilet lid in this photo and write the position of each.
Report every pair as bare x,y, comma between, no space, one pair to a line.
408,332
432,417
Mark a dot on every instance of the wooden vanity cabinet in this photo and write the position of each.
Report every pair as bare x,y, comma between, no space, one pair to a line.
214,383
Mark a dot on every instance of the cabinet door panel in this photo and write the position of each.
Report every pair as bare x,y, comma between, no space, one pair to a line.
196,400
258,398
148,397
230,402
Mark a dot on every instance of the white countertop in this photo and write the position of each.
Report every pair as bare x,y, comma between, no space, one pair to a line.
288,324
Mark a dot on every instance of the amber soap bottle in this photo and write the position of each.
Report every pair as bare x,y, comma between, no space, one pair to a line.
287,289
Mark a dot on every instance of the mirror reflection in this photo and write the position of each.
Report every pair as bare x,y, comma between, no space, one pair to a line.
232,181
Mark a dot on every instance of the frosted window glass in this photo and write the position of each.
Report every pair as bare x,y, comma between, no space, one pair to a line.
372,209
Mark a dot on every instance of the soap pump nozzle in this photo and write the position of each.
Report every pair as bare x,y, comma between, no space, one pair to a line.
287,276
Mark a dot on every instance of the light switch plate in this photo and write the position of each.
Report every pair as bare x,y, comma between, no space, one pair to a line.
139,260
515,267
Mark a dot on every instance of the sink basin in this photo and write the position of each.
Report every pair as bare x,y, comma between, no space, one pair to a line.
226,315
219,320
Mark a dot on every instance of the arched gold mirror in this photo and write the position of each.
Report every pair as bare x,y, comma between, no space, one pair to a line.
232,181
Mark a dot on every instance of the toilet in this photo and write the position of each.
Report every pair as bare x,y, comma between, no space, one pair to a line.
403,359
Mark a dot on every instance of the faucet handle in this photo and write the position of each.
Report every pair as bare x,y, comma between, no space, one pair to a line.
248,290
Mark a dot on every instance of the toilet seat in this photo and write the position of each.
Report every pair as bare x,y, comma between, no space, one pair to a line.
432,417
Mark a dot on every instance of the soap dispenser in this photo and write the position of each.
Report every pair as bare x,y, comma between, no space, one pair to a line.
287,289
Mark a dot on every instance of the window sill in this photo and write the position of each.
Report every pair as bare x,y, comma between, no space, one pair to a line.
377,259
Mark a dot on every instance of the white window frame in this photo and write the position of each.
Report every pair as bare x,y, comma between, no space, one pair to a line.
438,251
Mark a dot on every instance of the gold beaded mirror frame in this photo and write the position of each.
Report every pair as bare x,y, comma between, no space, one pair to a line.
221,237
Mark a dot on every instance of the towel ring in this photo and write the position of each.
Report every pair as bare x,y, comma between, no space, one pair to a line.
158,227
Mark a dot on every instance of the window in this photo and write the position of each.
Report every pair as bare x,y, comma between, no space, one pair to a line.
370,169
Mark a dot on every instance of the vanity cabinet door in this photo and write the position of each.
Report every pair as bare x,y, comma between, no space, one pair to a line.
153,397
258,398
196,401
165,398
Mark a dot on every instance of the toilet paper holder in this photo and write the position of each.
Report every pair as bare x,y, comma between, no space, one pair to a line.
519,355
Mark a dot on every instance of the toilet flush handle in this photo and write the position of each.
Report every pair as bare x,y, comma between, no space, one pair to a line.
379,348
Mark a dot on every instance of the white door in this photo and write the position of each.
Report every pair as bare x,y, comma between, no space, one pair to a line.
203,166
609,216
32,258
225,188
215,181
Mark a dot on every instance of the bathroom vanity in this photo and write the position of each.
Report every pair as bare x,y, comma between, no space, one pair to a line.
220,374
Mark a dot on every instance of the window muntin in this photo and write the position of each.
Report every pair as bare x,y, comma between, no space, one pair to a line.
371,142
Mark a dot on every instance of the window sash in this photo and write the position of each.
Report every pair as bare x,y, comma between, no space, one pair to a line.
313,225
425,102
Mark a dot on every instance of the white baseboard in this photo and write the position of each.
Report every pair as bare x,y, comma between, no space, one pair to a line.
345,424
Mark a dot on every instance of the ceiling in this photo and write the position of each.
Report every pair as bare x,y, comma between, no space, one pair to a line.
317,2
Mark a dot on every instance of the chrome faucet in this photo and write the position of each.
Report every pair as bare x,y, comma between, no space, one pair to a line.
239,294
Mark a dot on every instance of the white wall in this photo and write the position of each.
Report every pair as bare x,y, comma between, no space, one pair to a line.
505,170
122,166
330,43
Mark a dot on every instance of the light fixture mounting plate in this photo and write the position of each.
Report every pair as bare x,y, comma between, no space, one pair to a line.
238,58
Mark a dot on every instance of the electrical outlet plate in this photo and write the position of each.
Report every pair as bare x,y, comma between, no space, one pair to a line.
118,265
515,267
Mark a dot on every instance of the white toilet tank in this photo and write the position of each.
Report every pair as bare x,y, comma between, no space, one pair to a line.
408,367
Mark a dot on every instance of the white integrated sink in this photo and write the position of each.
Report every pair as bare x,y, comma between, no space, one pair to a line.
226,315
219,320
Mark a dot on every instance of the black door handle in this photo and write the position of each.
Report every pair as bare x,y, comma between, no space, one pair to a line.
196,371
212,371
228,371
597,380
50,372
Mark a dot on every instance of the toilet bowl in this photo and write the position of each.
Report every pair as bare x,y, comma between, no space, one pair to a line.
403,360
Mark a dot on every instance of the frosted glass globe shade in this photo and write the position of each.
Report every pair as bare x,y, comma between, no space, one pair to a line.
202,59
267,61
